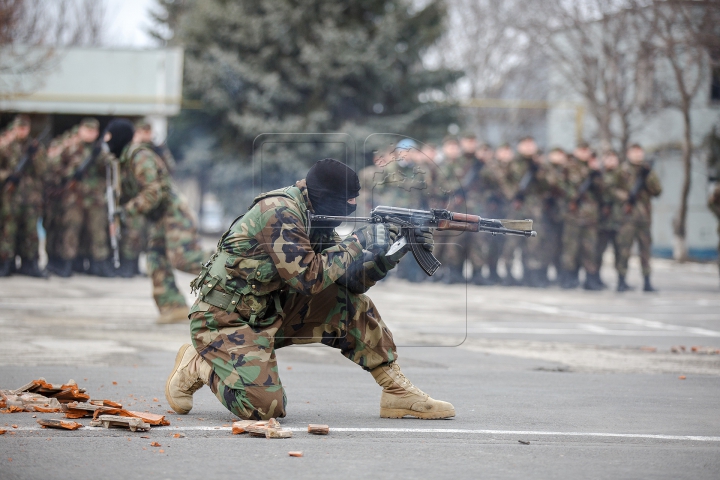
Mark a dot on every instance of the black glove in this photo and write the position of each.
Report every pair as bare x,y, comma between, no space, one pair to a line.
376,237
424,237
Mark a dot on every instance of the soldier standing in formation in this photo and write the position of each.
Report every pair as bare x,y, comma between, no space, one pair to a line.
554,211
532,179
611,211
83,204
583,191
277,280
22,169
643,184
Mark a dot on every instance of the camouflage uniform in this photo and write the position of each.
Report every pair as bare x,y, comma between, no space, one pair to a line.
402,183
615,194
22,205
636,223
52,210
172,234
495,205
714,205
85,208
272,284
529,204
554,210
468,172
579,241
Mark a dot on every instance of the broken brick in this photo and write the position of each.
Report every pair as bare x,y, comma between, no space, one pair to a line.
57,423
155,444
682,377
295,454
317,429
3,432
107,421
239,426
277,433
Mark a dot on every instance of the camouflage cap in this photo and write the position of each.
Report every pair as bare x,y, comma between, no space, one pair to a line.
90,122
21,120
142,124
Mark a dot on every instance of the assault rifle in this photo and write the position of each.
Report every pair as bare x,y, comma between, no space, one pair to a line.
408,220
12,181
80,172
526,180
585,186
112,195
640,182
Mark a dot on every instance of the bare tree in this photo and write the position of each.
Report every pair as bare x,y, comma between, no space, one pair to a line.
684,35
32,30
484,41
595,46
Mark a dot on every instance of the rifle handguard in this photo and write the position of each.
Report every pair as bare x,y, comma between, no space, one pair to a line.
458,226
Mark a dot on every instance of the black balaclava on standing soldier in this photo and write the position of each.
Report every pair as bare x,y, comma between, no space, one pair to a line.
330,185
122,133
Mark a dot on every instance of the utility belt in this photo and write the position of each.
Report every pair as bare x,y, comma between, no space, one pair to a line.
249,301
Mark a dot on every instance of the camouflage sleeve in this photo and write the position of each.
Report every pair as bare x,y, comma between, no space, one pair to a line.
145,169
652,184
284,238
40,162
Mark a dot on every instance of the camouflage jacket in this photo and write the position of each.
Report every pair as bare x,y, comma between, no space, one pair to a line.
144,182
30,185
270,251
642,210
583,208
92,185
615,194
555,202
531,204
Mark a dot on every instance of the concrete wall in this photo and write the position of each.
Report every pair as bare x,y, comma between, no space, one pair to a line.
97,81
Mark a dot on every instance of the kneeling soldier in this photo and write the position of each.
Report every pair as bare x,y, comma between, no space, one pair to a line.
277,280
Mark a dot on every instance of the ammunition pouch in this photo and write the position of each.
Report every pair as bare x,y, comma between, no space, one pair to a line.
254,300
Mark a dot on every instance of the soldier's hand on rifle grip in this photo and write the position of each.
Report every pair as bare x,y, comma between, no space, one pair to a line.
375,237
424,237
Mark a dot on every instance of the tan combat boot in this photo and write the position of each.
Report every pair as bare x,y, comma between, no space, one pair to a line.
173,315
400,397
190,373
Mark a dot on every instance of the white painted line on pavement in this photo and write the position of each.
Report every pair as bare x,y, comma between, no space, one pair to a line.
699,438
549,309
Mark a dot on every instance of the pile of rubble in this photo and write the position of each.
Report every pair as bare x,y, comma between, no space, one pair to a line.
68,398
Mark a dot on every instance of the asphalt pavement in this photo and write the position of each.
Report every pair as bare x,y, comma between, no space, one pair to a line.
545,383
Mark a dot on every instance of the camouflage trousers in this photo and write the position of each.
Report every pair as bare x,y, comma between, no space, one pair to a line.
133,236
579,244
245,371
84,218
628,233
173,242
18,231
605,238
551,241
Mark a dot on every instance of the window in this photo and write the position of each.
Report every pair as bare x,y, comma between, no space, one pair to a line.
715,84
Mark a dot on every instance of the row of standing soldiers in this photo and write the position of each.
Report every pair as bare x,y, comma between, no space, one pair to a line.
63,188
68,188
580,204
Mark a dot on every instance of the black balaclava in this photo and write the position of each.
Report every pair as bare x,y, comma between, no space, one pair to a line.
330,184
122,133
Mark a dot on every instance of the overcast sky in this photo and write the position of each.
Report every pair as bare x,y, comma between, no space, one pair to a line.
127,21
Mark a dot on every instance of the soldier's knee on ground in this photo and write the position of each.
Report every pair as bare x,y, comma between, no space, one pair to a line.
255,402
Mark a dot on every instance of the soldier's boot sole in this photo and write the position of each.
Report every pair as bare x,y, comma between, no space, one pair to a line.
404,412
188,375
